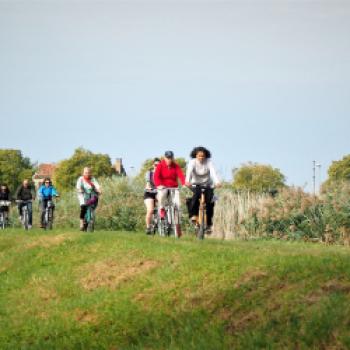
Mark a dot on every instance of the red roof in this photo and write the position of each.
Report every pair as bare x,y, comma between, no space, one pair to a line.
45,170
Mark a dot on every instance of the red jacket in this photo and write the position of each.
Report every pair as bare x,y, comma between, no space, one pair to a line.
167,176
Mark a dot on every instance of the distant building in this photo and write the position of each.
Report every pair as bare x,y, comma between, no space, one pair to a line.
119,168
44,170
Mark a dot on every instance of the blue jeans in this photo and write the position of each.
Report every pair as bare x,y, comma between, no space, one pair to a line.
30,210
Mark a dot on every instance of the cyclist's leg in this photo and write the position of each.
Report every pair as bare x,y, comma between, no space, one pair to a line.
194,204
149,203
20,206
83,209
30,213
162,197
209,194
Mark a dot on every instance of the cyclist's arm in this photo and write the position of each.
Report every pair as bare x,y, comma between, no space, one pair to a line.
79,187
157,176
214,174
180,174
97,186
33,192
189,172
54,192
148,180
18,193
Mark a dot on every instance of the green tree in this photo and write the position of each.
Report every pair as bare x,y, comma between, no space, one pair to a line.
68,170
340,170
14,168
338,174
258,178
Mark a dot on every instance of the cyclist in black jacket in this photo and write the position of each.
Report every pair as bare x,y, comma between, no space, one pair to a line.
26,194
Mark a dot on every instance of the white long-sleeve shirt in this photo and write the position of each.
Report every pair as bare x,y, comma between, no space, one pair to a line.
201,173
84,187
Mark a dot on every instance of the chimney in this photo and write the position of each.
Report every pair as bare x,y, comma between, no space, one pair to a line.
118,166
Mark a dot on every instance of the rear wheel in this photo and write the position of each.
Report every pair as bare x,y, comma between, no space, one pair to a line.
201,221
25,219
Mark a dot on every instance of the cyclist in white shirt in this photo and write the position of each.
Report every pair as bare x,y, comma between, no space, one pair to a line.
201,173
88,191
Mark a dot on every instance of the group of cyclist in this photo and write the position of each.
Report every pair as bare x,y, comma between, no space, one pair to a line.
25,195
166,174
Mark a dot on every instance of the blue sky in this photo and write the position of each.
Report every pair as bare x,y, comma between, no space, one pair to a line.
264,81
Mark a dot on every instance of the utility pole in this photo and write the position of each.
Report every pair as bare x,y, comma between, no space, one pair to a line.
318,165
314,176
319,177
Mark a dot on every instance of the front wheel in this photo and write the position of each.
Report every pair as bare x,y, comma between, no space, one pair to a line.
176,223
25,220
91,222
50,219
2,221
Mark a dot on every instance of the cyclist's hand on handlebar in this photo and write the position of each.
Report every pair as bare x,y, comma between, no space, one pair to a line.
218,185
188,184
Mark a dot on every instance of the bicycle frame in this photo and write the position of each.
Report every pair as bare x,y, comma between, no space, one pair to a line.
24,213
89,220
48,217
171,222
2,220
202,222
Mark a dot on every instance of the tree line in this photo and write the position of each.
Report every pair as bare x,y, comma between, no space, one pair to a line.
14,167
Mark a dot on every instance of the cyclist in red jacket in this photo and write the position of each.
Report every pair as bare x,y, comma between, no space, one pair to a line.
167,175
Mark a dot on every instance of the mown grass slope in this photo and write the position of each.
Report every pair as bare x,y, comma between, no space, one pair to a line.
114,290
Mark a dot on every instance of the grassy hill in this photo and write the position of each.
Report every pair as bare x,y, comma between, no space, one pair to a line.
114,290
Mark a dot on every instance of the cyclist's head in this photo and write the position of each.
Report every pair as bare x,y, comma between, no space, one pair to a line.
156,161
169,157
26,183
200,153
4,188
87,173
47,182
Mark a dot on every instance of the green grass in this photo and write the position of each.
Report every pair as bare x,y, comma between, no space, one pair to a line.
115,290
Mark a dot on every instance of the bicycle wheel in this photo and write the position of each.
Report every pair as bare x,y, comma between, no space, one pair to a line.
2,220
163,226
46,218
201,221
49,218
25,218
177,225
170,220
155,222
91,223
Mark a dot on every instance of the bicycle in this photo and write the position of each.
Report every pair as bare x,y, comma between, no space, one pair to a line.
201,223
48,216
24,213
89,218
155,219
170,224
4,214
